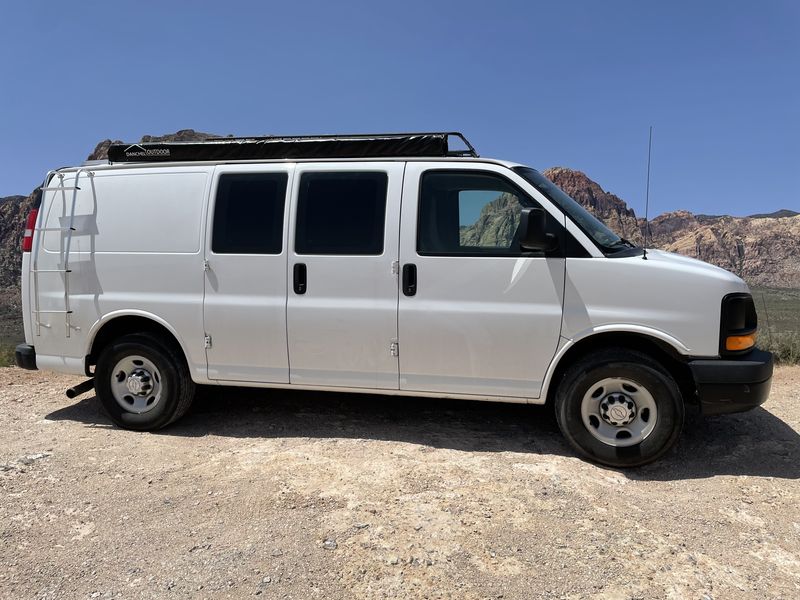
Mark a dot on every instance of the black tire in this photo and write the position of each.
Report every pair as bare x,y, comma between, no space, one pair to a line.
175,385
628,365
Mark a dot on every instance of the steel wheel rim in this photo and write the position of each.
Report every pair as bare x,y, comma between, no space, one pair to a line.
619,412
136,384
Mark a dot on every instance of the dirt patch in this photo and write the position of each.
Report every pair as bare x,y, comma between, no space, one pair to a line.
301,495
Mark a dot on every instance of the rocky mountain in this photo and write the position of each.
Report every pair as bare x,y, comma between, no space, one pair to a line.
771,242
607,207
13,213
496,225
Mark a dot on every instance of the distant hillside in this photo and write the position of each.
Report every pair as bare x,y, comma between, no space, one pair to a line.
776,215
496,224
610,209
13,213
771,245
771,241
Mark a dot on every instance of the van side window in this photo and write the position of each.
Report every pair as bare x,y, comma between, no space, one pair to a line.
469,213
341,213
248,214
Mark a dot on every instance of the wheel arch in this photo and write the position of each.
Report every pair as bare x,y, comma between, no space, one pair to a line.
671,356
114,325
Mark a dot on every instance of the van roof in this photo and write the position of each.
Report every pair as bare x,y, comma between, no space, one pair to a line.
373,145
101,165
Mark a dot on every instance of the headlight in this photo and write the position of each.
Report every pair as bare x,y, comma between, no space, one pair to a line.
738,324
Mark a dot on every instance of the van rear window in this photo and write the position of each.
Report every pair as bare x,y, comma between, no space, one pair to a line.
248,215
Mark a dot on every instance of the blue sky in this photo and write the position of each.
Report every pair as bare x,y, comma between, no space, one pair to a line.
570,83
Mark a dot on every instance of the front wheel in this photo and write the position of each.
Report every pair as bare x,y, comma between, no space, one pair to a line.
143,383
619,408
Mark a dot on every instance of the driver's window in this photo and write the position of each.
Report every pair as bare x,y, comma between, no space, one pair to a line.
462,213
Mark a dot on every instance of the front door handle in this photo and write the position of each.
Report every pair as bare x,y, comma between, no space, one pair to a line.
409,279
300,276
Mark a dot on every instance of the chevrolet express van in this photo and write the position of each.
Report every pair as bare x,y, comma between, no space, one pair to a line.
387,264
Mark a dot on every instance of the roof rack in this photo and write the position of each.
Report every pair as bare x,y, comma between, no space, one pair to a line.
382,145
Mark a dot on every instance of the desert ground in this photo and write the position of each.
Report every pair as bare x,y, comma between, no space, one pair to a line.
277,494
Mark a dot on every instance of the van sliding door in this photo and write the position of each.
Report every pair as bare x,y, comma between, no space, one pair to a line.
342,302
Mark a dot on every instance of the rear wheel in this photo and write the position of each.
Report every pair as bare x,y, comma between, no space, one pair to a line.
143,383
619,408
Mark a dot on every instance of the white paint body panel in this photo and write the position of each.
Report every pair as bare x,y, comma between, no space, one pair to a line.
673,298
479,328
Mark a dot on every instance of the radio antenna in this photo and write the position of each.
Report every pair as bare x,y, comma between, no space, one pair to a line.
647,195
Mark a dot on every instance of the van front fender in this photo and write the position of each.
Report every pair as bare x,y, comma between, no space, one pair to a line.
616,335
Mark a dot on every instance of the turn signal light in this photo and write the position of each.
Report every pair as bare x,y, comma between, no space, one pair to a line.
737,343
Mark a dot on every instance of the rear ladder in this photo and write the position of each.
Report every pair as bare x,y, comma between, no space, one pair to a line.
36,271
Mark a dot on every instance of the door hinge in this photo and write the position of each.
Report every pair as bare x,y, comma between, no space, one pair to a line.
206,266
394,348
395,267
207,341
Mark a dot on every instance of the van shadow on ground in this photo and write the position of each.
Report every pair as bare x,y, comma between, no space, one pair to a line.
754,443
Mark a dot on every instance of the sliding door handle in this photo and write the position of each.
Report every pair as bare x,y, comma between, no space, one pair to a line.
409,279
300,276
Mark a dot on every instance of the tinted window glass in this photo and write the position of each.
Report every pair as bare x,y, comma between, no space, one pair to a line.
468,213
341,213
593,227
248,215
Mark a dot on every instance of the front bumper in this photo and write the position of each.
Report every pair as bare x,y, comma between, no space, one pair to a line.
732,385
26,357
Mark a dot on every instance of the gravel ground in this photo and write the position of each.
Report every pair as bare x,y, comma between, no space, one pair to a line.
301,495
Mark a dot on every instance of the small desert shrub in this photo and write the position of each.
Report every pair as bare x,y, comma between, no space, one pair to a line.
7,357
784,345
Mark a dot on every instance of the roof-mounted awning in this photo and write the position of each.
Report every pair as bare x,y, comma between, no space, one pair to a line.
295,147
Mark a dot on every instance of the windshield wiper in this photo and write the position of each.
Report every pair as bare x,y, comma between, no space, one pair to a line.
623,242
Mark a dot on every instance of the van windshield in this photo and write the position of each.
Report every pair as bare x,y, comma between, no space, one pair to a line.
607,240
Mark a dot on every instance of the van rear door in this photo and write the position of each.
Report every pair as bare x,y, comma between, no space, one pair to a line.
245,284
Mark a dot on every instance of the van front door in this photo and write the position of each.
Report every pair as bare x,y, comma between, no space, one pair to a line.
342,298
477,315
244,310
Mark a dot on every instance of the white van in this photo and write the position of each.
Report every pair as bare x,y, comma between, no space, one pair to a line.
386,264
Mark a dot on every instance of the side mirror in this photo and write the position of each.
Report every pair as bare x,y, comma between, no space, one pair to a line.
532,226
